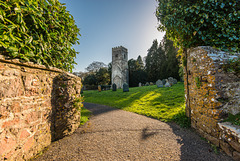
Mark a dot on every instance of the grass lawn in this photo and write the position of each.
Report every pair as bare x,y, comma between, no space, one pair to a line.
165,104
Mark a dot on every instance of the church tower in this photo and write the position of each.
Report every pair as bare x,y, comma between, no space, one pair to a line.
120,66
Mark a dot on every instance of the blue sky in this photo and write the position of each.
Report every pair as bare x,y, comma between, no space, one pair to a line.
105,24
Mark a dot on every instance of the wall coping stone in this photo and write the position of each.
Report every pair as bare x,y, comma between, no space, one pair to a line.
5,59
234,129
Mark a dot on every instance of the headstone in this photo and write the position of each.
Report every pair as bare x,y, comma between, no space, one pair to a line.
170,80
140,84
99,88
114,87
159,83
147,84
174,81
164,81
151,83
167,84
125,87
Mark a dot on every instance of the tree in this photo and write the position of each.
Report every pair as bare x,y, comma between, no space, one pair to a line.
95,66
201,23
90,79
162,61
172,60
110,72
136,72
140,63
41,31
103,77
155,62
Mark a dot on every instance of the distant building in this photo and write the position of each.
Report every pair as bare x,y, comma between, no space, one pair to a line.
120,66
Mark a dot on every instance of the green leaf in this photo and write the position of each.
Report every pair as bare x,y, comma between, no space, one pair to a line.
12,49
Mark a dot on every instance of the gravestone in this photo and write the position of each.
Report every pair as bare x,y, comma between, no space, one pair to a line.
159,83
99,88
174,81
151,83
164,81
114,87
167,84
140,84
147,84
125,87
170,80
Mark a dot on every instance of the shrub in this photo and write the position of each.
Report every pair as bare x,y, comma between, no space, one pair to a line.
201,23
41,31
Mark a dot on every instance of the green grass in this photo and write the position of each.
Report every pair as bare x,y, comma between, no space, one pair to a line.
85,114
165,104
234,119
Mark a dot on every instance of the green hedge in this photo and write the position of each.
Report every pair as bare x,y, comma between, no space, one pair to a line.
201,22
41,31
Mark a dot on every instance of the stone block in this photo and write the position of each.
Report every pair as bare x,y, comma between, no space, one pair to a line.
24,135
236,156
212,139
28,144
235,145
10,123
7,144
15,107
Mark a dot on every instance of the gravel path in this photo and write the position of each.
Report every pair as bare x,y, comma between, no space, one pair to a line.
113,134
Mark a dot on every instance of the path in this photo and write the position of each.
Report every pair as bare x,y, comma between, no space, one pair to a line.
113,134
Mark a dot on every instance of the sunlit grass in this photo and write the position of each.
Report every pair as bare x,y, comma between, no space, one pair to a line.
165,104
85,114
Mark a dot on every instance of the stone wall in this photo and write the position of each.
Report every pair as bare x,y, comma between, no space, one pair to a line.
37,105
212,93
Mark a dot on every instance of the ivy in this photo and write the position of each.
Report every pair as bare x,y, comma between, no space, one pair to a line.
201,23
232,65
41,31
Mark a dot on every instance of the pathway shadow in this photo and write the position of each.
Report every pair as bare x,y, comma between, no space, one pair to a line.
192,146
98,110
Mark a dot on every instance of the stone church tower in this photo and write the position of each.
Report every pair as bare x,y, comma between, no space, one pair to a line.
120,66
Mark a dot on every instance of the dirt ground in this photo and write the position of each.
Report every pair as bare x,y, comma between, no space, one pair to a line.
113,134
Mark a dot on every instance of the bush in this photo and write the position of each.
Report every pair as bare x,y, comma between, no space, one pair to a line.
41,31
201,22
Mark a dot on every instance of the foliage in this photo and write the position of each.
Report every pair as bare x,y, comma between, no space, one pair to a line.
166,104
162,61
41,31
98,74
198,83
136,72
103,76
201,22
90,79
95,66
85,115
78,103
172,59
234,119
110,72
232,65
154,62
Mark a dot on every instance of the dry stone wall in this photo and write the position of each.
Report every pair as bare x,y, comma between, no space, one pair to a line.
212,93
37,105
